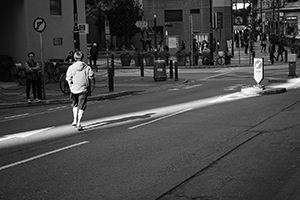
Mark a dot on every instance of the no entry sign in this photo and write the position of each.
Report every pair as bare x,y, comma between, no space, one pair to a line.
39,24
258,65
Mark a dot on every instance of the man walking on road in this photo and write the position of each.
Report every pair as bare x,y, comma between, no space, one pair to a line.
78,76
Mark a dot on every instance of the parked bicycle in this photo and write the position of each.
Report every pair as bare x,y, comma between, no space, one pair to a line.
7,63
20,74
5,73
52,71
217,59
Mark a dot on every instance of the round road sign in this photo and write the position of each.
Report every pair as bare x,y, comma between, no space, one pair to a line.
39,24
238,20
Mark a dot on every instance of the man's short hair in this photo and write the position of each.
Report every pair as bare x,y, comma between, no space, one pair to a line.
78,55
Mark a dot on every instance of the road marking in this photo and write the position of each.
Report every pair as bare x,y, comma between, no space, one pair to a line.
16,116
41,155
24,134
234,87
161,118
57,108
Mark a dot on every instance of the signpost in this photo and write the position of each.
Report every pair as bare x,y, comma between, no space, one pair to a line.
141,24
258,65
39,24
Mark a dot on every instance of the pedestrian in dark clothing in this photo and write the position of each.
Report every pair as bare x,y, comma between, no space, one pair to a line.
263,44
280,51
246,44
70,57
94,55
32,74
272,51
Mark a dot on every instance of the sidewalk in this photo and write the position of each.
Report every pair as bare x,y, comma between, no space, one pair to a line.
127,81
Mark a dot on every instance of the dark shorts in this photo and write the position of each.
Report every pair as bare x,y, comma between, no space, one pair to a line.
79,100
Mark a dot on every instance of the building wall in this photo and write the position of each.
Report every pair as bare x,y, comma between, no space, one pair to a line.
17,17
201,21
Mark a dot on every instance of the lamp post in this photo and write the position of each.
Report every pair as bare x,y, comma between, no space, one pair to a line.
155,37
261,19
211,55
76,30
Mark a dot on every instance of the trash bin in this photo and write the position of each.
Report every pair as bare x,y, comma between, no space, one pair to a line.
292,58
159,68
227,58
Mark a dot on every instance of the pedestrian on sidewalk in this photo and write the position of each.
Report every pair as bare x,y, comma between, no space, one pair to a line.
94,55
32,73
246,44
272,50
263,43
70,57
78,76
280,51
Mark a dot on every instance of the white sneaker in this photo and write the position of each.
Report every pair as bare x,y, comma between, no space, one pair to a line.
37,100
28,100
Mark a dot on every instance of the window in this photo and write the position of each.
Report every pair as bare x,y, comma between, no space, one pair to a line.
173,16
195,11
55,7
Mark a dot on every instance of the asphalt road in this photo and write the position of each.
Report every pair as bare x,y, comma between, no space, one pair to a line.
143,146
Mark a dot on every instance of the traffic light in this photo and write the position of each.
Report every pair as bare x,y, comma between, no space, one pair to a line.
217,20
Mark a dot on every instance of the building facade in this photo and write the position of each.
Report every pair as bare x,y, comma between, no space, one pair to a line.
19,36
185,19
279,16
189,20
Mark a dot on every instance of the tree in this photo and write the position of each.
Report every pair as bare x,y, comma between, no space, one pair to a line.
121,14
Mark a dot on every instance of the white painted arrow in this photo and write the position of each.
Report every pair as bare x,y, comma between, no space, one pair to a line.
24,134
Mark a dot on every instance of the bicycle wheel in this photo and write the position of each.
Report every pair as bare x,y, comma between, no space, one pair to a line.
206,60
20,76
63,85
56,74
46,77
221,60
5,74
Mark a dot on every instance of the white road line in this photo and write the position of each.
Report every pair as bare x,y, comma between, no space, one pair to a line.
57,108
16,116
41,155
161,118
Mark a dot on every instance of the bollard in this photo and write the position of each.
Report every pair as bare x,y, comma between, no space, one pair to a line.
285,56
113,64
171,68
141,65
176,71
292,65
271,57
111,74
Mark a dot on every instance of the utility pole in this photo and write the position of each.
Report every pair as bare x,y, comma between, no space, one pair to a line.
211,32
261,18
76,29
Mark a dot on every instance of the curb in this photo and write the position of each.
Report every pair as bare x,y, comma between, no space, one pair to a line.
262,91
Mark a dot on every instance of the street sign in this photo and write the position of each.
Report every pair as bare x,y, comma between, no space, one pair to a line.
239,20
258,65
141,24
107,30
83,28
39,24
